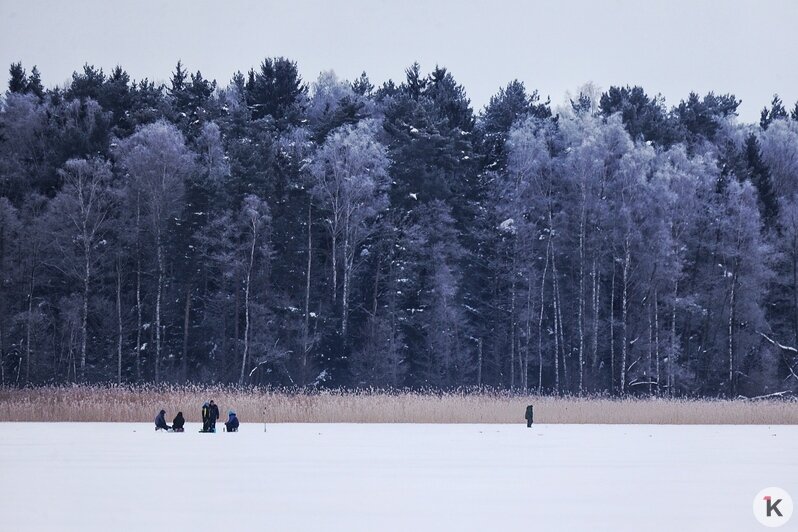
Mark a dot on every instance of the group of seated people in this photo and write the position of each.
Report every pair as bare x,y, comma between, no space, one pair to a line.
231,425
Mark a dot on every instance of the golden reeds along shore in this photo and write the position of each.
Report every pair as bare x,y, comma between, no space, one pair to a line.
141,403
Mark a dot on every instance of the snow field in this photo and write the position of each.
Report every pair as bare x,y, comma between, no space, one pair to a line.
377,477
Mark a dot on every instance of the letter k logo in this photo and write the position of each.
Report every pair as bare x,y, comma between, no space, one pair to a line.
772,506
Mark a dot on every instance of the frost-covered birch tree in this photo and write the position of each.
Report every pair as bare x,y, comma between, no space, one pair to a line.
79,220
158,162
254,220
349,174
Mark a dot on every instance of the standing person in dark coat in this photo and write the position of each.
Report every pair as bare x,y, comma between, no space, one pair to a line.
214,415
178,422
160,422
206,417
232,422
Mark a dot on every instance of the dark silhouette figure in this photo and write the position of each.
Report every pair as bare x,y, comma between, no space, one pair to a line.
232,422
214,416
528,416
160,422
178,422
206,417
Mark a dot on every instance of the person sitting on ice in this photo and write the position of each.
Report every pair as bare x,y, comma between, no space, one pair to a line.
160,422
178,422
232,422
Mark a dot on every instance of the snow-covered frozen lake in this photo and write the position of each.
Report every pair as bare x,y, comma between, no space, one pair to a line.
117,476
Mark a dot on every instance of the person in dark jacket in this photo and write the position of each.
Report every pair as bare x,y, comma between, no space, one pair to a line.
232,422
206,417
160,422
529,415
178,422
214,416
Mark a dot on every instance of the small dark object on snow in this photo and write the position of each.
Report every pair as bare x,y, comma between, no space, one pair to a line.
160,422
232,422
178,422
528,416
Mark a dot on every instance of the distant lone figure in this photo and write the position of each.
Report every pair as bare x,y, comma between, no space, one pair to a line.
232,422
206,417
178,422
160,422
528,416
214,416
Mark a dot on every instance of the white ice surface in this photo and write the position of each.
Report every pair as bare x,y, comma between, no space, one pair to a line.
115,476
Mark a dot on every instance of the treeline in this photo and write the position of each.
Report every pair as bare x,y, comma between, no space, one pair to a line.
337,233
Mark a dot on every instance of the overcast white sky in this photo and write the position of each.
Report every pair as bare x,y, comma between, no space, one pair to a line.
746,47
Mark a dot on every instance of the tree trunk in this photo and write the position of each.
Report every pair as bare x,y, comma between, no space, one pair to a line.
624,311
612,329
392,317
334,266
556,328
525,374
795,288
512,316
28,325
118,322
254,228
225,350
29,318
595,300
731,334
540,319
85,314
69,358
348,262
303,366
479,363
672,354
376,289
559,329
656,339
236,322
650,360
138,291
159,252
186,328
581,310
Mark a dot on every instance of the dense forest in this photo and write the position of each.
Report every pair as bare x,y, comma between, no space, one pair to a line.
335,233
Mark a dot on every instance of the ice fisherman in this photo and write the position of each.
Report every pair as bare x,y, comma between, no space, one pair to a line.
214,416
160,422
178,422
206,417
232,421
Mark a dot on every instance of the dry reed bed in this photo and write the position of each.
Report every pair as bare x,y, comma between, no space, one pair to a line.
121,404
